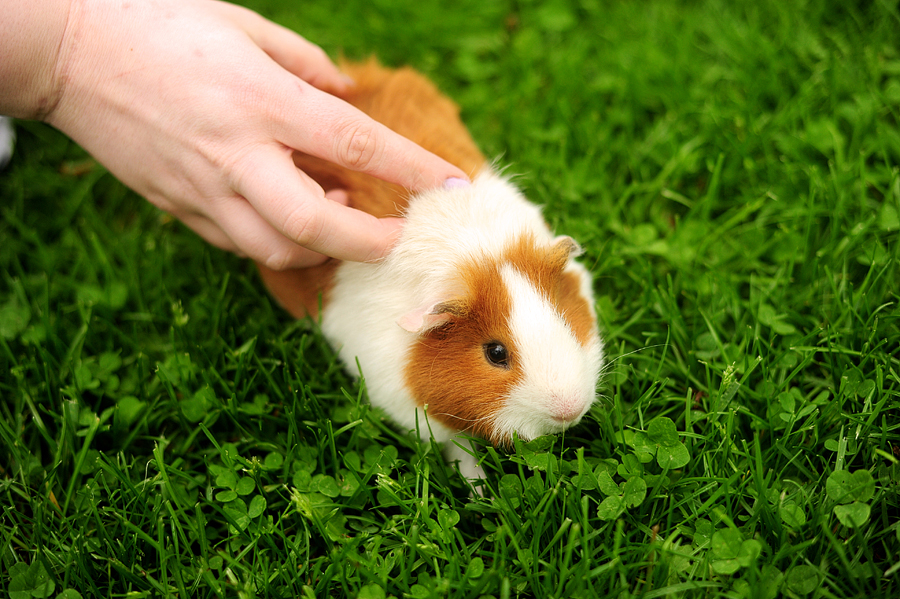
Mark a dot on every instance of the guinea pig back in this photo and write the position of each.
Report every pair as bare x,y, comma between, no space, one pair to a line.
479,318
409,104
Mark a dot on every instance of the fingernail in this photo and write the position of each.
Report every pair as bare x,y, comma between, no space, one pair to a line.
456,183
348,80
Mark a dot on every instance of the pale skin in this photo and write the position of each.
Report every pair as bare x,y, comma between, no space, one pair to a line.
197,105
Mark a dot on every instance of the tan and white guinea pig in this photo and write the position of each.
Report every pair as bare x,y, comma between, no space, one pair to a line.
479,317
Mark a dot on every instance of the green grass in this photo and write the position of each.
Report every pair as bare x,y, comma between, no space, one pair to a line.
733,173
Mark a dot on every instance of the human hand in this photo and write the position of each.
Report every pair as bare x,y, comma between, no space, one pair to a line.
198,106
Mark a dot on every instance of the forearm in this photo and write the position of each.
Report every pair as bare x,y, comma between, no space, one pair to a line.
31,35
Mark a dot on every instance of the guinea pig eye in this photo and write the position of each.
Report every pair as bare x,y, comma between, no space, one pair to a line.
496,354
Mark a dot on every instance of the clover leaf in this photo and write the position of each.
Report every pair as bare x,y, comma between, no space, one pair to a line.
611,507
844,487
195,408
634,491
802,579
730,551
670,452
853,515
28,581
631,493
14,318
851,491
792,514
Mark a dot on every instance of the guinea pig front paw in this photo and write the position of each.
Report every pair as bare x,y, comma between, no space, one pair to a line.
460,450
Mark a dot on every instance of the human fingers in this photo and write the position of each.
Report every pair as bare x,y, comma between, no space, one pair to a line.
209,231
235,226
298,208
292,51
259,240
338,195
318,123
340,133
241,238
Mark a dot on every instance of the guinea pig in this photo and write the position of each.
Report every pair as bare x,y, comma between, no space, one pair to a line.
479,321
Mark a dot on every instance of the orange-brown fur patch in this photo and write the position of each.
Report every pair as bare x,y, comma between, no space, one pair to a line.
411,105
300,290
447,369
545,268
574,308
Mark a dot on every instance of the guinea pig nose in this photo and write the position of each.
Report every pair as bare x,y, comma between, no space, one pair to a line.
564,410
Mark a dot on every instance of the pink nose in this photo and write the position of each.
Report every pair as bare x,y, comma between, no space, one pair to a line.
565,410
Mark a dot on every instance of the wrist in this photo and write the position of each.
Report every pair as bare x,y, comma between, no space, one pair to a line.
32,44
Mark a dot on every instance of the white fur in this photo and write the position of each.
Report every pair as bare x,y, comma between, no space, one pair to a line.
444,229
560,375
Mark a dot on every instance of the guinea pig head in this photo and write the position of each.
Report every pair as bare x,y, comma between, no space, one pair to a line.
511,346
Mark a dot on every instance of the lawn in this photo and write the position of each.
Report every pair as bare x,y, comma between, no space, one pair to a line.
732,171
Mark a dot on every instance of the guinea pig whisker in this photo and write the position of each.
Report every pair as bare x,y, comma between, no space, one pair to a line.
607,367
605,399
472,420
638,350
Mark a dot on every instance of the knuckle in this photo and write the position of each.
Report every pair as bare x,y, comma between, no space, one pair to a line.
279,261
302,226
317,53
357,146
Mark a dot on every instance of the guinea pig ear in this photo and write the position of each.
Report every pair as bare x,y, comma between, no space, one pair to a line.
431,315
568,245
564,247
